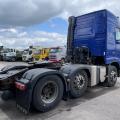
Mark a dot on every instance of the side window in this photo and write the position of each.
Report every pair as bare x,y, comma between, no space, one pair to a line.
118,34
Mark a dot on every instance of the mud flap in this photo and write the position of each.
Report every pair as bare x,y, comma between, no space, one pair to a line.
23,100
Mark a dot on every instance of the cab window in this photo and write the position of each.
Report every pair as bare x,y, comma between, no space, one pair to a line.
118,34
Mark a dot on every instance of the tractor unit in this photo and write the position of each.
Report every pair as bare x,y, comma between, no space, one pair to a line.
93,57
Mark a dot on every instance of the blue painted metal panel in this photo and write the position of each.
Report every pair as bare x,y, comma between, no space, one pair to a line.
90,31
97,31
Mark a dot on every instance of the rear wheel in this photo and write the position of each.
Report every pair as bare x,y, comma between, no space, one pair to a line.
78,83
47,93
112,74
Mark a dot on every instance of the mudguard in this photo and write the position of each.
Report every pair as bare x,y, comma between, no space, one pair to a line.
92,71
30,79
69,69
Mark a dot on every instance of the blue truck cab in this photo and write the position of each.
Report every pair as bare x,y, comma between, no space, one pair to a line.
99,32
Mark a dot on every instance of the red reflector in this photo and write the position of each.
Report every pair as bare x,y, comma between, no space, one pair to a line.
20,86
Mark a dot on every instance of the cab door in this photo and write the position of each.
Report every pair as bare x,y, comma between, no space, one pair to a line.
117,38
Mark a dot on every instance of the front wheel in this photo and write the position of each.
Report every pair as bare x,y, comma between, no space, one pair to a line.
47,93
111,76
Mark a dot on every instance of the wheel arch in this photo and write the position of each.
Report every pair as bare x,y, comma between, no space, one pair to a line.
31,78
57,74
69,70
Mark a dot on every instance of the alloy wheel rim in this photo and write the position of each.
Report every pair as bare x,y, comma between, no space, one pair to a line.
49,92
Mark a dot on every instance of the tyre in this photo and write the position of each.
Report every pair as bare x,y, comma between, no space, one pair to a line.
78,83
111,76
47,93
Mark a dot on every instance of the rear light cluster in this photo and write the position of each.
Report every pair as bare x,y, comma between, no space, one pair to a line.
20,86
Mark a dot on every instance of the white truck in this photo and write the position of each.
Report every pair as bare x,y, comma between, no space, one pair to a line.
9,54
57,54
27,55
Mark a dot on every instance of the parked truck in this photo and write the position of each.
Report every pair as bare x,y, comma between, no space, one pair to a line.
57,54
44,54
9,54
27,55
41,54
36,55
93,53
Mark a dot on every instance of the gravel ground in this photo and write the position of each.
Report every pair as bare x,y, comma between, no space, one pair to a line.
98,103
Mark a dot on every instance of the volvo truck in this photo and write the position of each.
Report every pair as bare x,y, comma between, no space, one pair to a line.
93,56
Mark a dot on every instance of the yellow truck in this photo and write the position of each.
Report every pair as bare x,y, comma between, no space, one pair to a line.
41,54
36,55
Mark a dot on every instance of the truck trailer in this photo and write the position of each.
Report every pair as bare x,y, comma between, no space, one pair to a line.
93,56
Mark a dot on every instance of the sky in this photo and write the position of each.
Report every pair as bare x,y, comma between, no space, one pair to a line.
43,22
